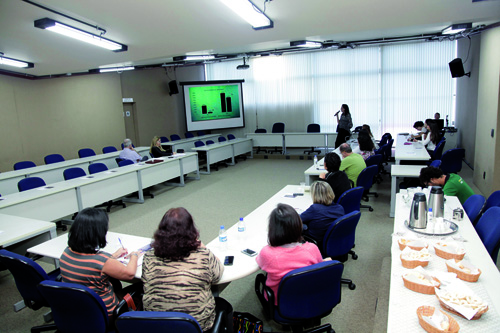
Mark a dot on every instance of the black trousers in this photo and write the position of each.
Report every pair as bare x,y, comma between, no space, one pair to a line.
342,134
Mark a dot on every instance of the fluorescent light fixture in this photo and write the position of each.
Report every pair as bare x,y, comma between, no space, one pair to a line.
250,13
306,43
15,62
116,69
194,57
456,28
81,35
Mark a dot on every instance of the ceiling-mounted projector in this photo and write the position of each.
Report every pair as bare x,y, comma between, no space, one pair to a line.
243,67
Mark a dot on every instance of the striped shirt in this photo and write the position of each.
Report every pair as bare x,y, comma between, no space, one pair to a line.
86,269
182,286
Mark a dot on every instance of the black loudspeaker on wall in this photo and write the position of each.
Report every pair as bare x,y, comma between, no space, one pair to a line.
172,86
457,68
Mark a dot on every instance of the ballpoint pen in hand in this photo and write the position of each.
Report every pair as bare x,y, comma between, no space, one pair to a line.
123,247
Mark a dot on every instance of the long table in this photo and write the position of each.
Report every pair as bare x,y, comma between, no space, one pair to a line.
61,199
53,173
409,151
188,144
255,238
221,151
403,302
293,139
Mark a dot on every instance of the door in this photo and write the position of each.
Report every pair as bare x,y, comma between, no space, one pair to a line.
129,116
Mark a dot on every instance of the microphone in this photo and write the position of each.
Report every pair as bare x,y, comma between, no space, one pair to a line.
336,113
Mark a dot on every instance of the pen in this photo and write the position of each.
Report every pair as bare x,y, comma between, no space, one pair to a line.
123,247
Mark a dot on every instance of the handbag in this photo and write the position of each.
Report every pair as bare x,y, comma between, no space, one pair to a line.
244,322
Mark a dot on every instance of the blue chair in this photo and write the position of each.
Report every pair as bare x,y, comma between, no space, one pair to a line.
24,165
339,240
100,167
313,128
198,143
305,295
473,207
388,150
488,229
351,199
438,151
201,133
188,135
86,152
231,137
435,163
164,139
109,149
385,139
451,161
72,173
156,321
261,130
27,275
125,162
53,158
175,137
222,139
30,183
377,160
493,200
210,142
365,179
75,308
277,128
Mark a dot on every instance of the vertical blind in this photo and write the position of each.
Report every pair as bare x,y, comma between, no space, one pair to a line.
387,87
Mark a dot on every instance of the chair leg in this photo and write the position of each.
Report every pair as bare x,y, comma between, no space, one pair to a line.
349,282
367,206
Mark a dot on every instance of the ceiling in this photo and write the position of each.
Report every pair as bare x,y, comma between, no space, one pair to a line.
157,30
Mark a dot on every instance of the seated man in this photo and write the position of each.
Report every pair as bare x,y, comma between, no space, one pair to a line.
129,153
452,184
337,179
419,126
352,163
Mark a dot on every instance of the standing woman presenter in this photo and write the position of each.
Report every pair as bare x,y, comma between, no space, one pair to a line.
344,125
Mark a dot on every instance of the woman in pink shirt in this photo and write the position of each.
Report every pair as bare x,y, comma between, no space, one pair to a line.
285,251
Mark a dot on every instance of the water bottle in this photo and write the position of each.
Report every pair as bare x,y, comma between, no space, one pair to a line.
430,216
241,225
223,238
316,161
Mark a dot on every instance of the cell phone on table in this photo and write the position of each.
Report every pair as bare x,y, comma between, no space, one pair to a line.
250,253
228,261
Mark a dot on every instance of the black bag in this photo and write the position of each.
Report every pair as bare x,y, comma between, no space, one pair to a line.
244,322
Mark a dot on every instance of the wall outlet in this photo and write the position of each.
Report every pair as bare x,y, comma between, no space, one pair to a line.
492,132
484,175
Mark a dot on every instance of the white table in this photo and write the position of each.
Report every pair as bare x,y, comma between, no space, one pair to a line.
221,151
404,302
397,171
53,173
409,151
188,144
54,248
19,233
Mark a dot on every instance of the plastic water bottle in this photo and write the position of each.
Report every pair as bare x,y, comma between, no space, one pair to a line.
430,216
223,238
316,161
241,226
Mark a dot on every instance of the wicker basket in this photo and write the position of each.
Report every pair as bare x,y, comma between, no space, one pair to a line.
450,309
448,255
413,263
420,288
416,248
468,277
427,311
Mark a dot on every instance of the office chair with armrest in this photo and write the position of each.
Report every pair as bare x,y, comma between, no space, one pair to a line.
365,179
339,240
75,308
164,139
30,183
376,160
473,207
209,142
24,165
261,130
188,135
451,161
201,133
436,163
231,137
385,139
438,151
175,137
86,152
125,162
305,295
313,128
488,229
388,150
27,275
53,158
72,173
351,199
277,128
493,200
199,143
109,149
382,151
164,321
101,167
221,139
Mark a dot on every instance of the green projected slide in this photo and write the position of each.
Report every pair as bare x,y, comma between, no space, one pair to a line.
214,102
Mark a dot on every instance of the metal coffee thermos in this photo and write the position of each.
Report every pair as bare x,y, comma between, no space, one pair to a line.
418,212
436,201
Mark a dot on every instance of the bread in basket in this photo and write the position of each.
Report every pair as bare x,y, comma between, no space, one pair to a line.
464,270
429,318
